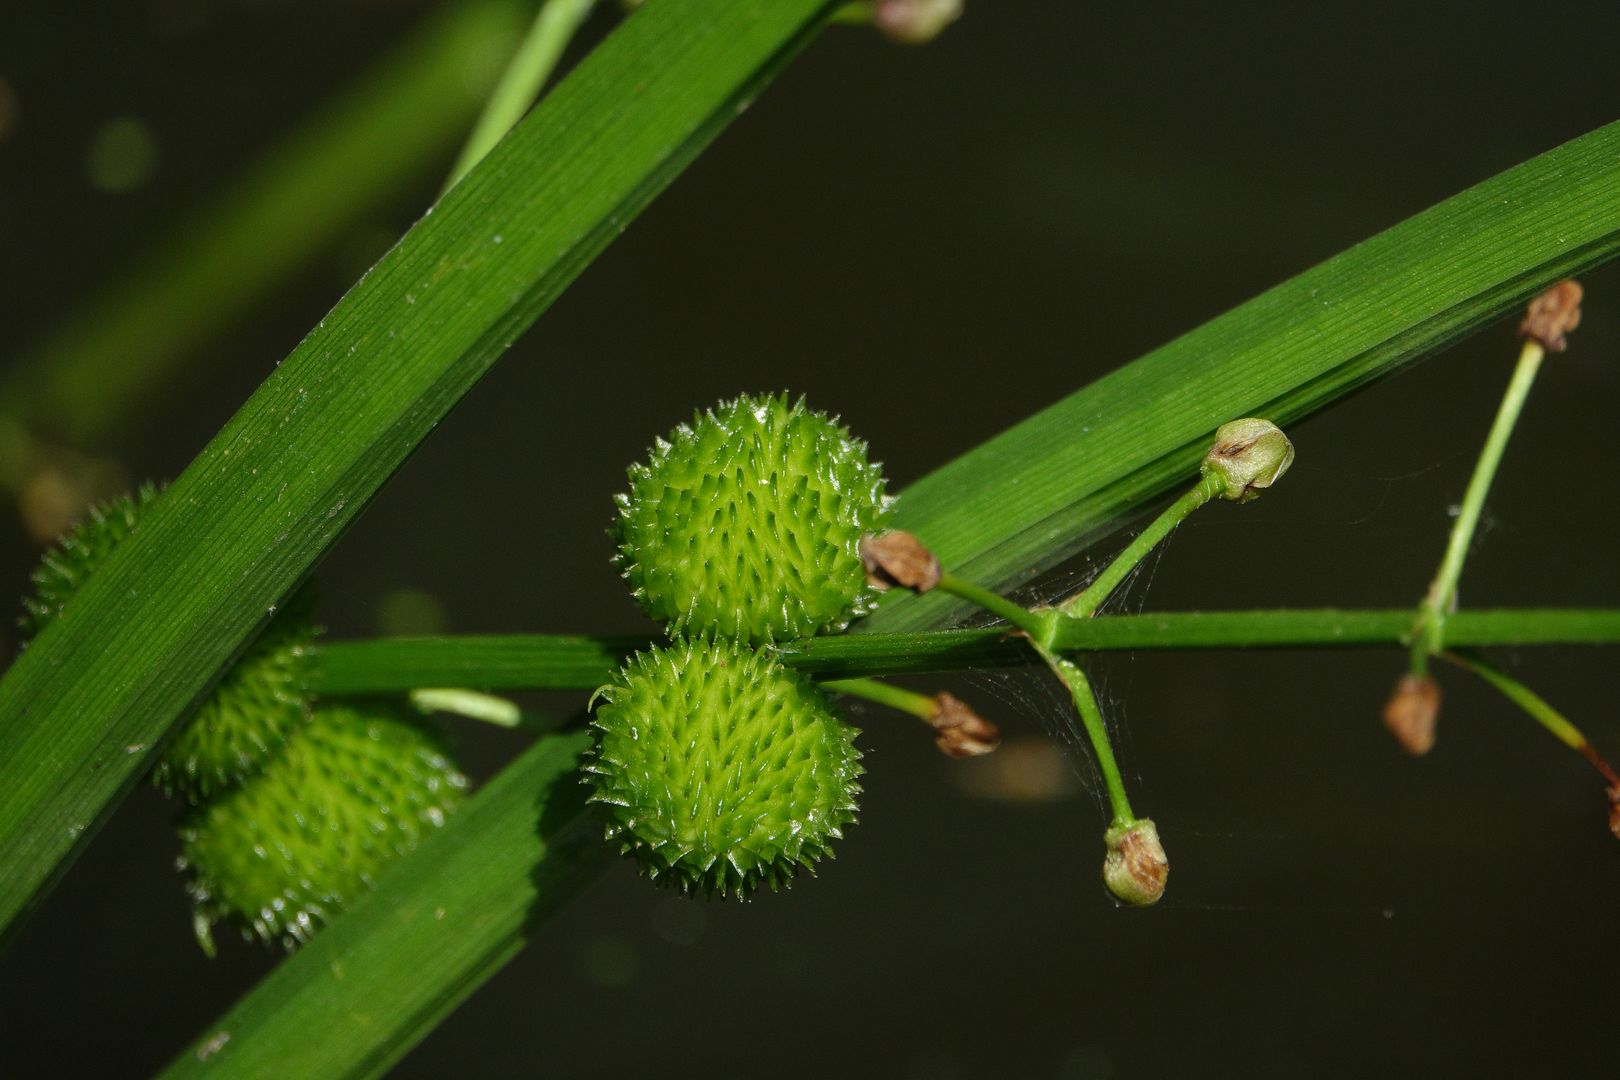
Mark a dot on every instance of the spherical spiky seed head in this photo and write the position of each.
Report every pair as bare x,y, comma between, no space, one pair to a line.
77,555
721,769
254,709
255,706
353,790
747,523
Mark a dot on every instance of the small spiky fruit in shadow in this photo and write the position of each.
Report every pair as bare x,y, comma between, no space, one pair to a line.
77,555
747,523
262,700
353,790
721,769
256,705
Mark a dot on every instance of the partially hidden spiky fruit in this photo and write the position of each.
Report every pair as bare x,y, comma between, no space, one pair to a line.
352,791
77,555
254,707
747,522
252,712
721,769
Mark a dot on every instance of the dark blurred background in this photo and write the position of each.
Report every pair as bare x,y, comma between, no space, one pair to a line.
935,243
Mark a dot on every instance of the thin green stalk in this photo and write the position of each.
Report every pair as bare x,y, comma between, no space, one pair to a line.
1429,636
1086,602
854,13
1085,701
1039,629
470,704
553,28
570,662
1538,708
898,698
994,603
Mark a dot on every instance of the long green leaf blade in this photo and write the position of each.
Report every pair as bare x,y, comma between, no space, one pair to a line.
85,709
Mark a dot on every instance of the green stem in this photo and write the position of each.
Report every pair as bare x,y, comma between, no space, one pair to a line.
554,27
1085,701
907,701
568,662
1429,635
470,704
854,13
1086,602
995,603
1538,708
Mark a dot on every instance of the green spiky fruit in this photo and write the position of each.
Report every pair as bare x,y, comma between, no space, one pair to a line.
252,712
253,709
77,555
747,523
721,769
353,791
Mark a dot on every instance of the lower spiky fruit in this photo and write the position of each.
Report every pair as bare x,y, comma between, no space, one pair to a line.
351,792
722,770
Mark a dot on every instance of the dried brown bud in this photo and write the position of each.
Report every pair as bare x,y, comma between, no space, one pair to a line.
898,558
961,731
1411,712
914,22
1136,869
1552,315
1614,811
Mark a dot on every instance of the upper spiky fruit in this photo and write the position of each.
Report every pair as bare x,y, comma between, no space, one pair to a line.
722,770
747,523
353,790
255,706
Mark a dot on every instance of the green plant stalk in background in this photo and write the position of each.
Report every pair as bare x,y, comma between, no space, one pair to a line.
265,499
347,160
554,27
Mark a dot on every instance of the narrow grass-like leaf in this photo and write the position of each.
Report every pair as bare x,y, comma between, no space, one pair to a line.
500,865
1031,496
1067,474
559,662
86,708
347,159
